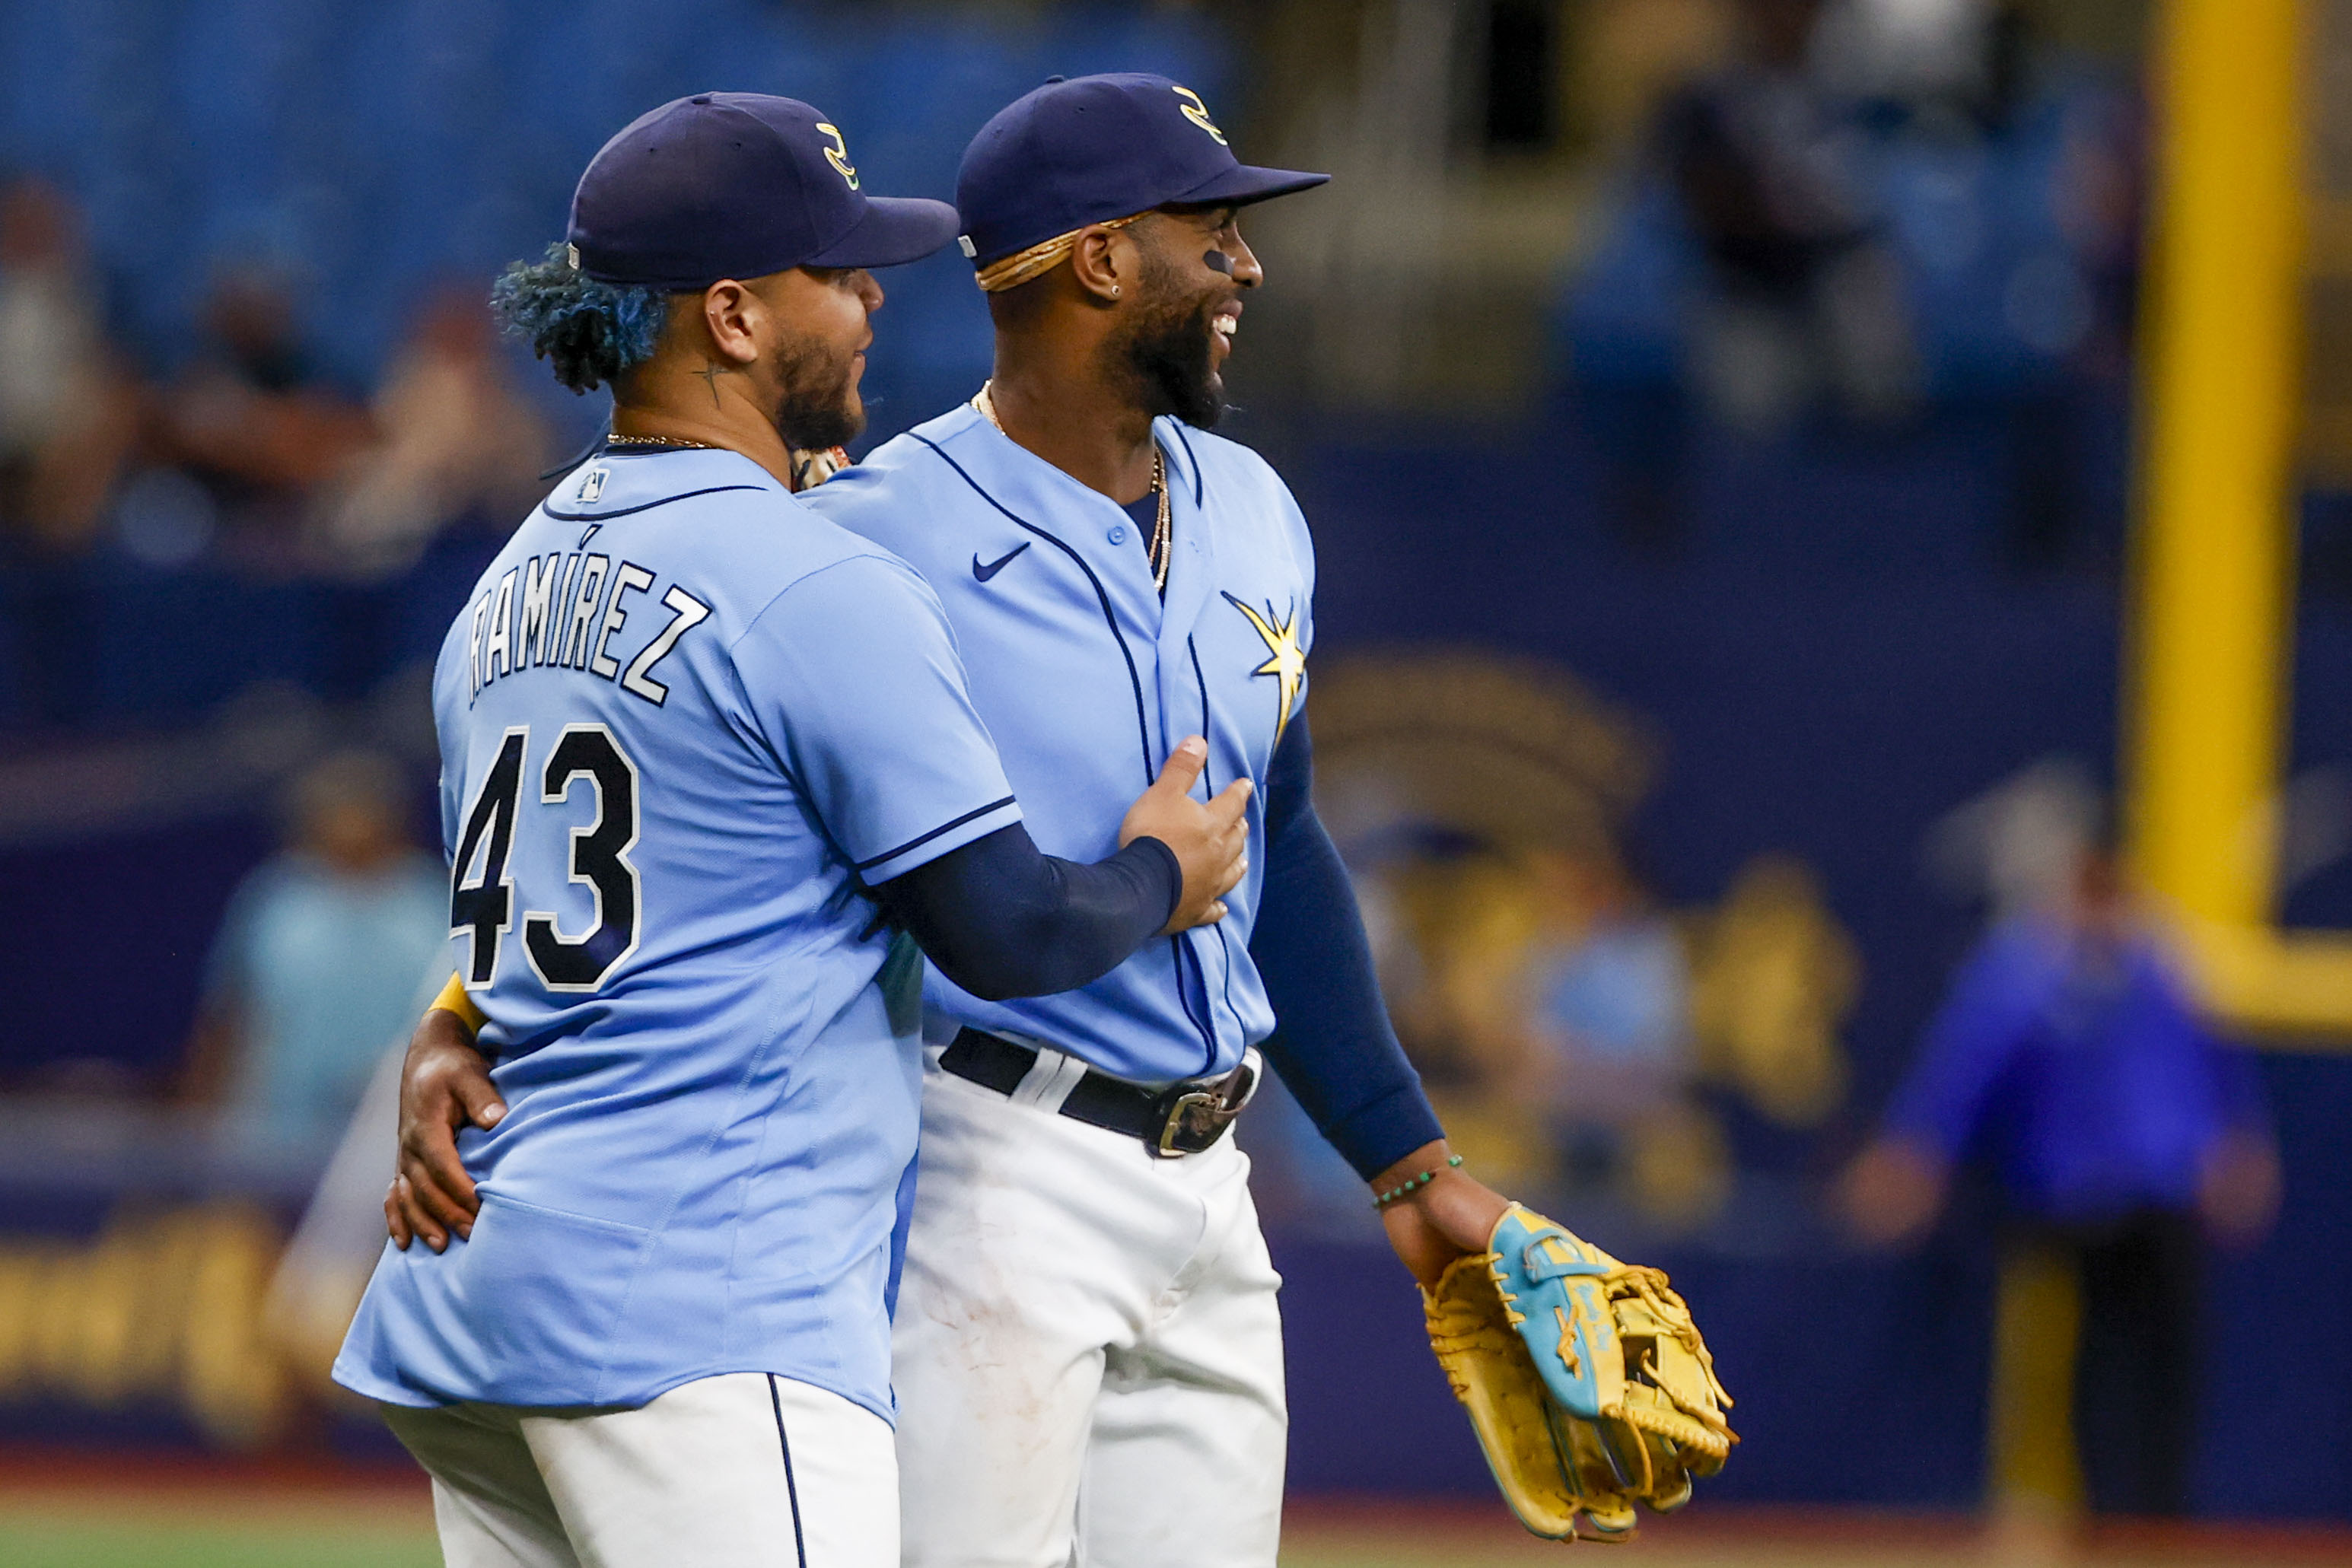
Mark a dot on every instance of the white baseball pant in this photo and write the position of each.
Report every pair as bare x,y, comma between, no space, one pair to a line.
1087,1351
743,1470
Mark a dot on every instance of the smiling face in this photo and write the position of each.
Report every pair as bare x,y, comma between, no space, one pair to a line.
1180,329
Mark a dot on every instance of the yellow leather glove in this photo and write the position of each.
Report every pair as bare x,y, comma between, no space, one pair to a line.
1586,1381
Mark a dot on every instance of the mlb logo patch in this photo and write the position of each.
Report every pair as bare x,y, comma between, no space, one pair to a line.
591,485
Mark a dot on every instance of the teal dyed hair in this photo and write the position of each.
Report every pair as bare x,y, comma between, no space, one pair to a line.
587,331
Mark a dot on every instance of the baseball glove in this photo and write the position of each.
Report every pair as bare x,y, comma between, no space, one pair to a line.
1586,1381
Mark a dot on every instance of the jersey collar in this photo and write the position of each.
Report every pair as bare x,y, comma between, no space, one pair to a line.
1046,497
615,483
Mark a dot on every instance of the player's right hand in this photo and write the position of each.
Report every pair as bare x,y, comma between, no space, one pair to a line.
1211,839
445,1085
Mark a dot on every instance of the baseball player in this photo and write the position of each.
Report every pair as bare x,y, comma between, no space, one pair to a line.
690,734
1087,1354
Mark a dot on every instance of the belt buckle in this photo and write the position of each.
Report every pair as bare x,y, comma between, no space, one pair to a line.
1195,1111
1206,1110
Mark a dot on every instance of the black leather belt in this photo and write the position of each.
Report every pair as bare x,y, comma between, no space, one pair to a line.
1182,1118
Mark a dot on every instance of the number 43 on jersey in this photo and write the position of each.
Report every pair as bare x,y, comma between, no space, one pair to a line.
599,860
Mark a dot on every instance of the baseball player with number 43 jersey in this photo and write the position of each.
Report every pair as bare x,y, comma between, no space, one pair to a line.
689,731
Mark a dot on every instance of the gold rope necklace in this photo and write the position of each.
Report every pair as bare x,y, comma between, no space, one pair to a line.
1162,533
659,441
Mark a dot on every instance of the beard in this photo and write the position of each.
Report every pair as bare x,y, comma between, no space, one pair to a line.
1167,352
819,406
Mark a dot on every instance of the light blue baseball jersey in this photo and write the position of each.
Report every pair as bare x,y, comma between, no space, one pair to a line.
680,718
1087,680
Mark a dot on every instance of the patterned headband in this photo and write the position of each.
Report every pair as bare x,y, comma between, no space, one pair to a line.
1040,259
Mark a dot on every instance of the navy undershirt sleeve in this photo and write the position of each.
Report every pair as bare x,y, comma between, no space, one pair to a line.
1332,1042
1002,919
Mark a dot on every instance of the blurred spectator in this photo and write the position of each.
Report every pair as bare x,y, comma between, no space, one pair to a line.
2124,1138
319,961
1609,1016
2016,845
455,441
1610,1009
1941,59
1802,298
256,420
69,409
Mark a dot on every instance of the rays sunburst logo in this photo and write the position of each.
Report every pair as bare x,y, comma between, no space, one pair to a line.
1285,661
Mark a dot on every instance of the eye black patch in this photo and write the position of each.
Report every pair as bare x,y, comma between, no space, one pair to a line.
1218,261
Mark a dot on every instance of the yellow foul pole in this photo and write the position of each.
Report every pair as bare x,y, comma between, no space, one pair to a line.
2221,394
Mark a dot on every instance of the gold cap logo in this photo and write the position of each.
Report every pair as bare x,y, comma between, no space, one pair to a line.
838,156
1198,113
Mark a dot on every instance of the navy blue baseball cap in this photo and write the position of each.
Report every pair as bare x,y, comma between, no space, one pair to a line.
1090,148
737,185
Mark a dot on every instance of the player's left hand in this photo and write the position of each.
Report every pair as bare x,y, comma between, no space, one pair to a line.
445,1085
1451,1215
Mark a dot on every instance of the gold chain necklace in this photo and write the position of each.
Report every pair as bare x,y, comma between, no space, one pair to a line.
658,441
1162,532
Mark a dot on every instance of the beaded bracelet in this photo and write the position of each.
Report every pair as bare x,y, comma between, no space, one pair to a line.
1412,1185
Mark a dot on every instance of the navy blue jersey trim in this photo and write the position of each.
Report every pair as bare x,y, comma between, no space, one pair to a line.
1183,942
943,828
1191,456
1225,944
1208,763
1102,597
1183,939
1202,681
791,1483
645,506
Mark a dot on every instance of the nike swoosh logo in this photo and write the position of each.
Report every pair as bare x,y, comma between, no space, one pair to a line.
982,573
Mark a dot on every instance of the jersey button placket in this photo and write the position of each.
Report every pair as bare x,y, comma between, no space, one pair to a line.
1117,534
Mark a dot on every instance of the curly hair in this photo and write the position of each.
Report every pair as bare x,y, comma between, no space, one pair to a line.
588,331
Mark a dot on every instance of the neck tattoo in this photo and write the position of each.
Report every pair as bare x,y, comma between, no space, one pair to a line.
710,373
